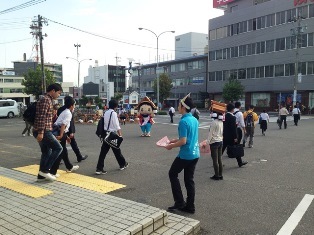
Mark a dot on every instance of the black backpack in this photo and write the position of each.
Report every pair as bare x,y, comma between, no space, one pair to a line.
195,114
100,131
249,120
30,113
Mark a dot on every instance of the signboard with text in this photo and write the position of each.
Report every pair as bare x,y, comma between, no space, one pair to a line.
300,2
218,3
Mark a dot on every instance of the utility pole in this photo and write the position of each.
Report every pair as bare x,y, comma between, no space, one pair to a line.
78,70
117,75
297,32
40,35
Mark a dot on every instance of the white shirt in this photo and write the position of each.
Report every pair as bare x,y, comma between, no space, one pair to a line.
296,111
215,132
172,110
283,111
114,122
239,118
64,119
264,116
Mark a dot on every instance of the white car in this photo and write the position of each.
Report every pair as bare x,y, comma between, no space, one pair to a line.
8,108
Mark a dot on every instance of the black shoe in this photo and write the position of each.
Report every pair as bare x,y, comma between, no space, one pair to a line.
187,209
82,158
176,206
214,177
243,163
221,177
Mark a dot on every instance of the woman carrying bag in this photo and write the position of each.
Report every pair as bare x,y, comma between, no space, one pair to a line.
263,120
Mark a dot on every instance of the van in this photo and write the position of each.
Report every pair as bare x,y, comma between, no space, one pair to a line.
8,108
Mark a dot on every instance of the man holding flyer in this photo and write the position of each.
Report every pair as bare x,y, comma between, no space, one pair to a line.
186,159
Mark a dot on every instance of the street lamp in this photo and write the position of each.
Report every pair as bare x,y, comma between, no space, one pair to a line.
78,72
157,37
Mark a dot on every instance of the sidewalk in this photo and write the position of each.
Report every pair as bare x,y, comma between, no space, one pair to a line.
30,207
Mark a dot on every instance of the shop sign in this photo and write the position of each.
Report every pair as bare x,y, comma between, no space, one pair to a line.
218,3
300,2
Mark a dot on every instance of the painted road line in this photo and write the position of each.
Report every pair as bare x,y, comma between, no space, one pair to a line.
296,216
23,188
82,181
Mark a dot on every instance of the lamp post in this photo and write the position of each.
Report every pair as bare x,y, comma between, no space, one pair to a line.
157,63
78,72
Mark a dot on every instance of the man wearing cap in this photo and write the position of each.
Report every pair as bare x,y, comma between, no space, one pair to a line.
186,159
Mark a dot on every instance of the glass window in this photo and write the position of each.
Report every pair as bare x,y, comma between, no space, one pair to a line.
250,73
234,52
280,17
302,68
310,39
250,25
269,71
8,80
258,23
218,54
289,69
280,44
235,29
311,10
291,14
221,32
234,74
262,47
181,67
226,75
225,53
219,76
303,11
260,72
254,24
212,34
270,45
279,70
212,56
242,50
249,49
211,76
310,67
304,40
260,99
242,74
270,20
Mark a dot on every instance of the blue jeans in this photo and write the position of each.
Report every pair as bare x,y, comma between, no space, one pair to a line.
50,150
146,128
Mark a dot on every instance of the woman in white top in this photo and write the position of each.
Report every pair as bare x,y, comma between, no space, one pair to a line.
63,121
214,139
296,115
264,119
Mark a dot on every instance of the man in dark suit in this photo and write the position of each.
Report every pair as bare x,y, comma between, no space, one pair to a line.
230,132
71,132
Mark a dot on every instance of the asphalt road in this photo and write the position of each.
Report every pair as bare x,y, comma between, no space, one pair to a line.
256,199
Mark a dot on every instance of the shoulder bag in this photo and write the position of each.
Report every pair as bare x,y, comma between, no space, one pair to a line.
112,138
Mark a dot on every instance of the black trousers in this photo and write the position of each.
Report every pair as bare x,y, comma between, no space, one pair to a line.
76,150
239,135
296,118
189,167
63,156
283,119
171,118
103,153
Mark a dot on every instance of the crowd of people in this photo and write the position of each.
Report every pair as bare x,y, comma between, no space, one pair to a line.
54,127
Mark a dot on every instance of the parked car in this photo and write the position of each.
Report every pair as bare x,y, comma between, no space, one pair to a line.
9,108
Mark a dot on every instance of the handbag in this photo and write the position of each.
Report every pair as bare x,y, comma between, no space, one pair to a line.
112,138
235,151
56,130
260,120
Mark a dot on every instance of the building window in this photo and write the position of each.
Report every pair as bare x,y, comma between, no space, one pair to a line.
234,8
181,67
310,38
242,74
218,54
234,52
260,72
311,10
242,50
219,76
310,67
270,20
212,56
261,22
260,99
226,75
260,47
302,68
289,69
221,32
290,42
279,70
212,34
291,14
280,17
270,45
251,73
269,71
235,29
243,27
234,74
211,76
303,40
8,80
280,44
251,49
303,12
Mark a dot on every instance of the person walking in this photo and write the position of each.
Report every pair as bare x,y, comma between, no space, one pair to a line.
239,122
42,131
71,132
296,115
214,139
230,132
187,158
250,118
264,119
28,127
283,112
171,113
111,120
63,124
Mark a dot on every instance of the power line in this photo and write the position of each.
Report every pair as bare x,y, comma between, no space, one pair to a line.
21,6
16,41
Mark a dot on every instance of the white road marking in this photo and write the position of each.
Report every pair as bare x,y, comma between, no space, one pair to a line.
296,216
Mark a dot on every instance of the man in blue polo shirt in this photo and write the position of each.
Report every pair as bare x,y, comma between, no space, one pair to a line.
187,158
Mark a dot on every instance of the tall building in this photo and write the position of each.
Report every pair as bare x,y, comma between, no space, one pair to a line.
190,44
256,41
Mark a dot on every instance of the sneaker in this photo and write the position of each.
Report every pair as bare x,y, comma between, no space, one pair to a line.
57,175
125,166
30,134
23,135
100,172
48,176
74,168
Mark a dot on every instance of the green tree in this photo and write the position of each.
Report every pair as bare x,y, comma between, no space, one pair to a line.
165,85
118,96
83,101
33,81
232,90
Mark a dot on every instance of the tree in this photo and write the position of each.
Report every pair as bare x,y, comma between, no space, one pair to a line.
118,96
33,81
165,85
232,90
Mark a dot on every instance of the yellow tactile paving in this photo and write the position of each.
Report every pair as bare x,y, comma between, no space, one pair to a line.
23,188
82,181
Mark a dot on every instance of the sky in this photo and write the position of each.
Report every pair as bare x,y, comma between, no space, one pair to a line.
110,19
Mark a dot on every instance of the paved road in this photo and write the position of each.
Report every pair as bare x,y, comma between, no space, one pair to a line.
256,199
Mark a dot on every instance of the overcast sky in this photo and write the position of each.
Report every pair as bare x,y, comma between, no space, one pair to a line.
113,19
